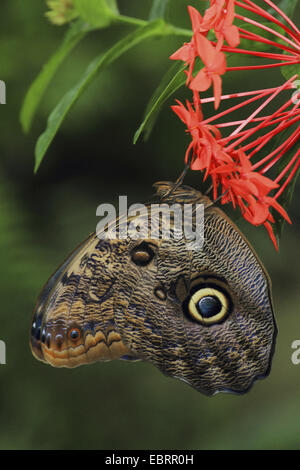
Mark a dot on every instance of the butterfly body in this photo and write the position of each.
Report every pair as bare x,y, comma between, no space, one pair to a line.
204,316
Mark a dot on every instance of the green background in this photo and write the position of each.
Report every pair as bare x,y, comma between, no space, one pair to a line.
115,405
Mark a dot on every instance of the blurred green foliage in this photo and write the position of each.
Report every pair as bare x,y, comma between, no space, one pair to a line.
114,405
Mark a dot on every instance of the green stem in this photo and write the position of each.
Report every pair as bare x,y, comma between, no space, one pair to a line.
168,29
173,30
130,20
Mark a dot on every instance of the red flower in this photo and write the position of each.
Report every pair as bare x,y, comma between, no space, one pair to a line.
214,60
224,28
229,161
188,52
249,190
232,161
282,35
203,144
215,65
219,18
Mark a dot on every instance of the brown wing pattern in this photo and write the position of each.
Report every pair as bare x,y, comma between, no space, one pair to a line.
140,299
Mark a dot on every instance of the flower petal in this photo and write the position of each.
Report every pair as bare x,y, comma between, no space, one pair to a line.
183,53
201,82
271,234
217,81
260,212
279,208
196,18
232,35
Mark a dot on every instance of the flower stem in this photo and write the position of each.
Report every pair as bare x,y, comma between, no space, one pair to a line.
266,66
269,30
168,28
244,33
268,100
261,12
284,16
281,150
280,191
130,20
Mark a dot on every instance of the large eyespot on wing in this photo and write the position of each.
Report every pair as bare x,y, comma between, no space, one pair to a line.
148,295
207,304
227,353
239,349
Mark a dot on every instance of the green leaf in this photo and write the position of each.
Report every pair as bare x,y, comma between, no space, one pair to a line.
37,89
61,110
171,82
284,200
113,6
286,197
260,46
287,6
289,71
158,9
95,12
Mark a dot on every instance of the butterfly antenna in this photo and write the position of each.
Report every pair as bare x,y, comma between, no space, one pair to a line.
216,200
178,182
209,190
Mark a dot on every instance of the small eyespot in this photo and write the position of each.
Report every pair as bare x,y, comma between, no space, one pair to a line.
208,305
48,340
160,293
142,254
37,327
59,339
74,334
43,335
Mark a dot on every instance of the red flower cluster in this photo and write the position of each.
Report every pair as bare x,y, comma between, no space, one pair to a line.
219,18
229,161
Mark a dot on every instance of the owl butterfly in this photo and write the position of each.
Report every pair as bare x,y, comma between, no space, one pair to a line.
203,316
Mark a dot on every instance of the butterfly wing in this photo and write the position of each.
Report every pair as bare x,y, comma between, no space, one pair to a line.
148,311
224,355
73,321
238,349
204,316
